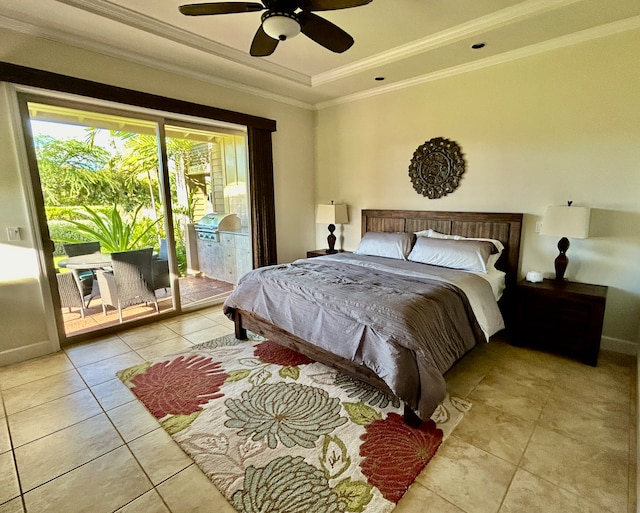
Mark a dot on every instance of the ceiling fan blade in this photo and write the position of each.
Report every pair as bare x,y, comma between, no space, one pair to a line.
263,45
206,9
330,5
324,32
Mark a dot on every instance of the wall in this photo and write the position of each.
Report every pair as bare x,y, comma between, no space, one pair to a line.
23,317
564,125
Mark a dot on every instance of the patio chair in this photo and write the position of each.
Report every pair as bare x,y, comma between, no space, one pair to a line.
131,282
86,278
160,268
69,293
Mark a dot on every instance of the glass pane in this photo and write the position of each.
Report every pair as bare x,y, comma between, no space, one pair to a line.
101,187
210,200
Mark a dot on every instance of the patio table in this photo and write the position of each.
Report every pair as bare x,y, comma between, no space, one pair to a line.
90,261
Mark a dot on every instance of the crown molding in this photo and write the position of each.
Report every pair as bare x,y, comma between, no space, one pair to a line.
583,36
134,19
443,38
83,44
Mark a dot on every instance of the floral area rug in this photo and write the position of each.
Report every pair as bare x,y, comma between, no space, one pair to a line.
278,432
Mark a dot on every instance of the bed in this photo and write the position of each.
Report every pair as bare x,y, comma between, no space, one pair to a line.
394,321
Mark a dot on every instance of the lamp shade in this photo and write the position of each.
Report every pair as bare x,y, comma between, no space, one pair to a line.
332,214
566,221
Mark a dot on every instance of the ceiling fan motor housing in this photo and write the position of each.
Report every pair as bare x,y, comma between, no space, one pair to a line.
280,25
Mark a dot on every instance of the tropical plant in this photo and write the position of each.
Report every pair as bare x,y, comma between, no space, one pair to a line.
112,231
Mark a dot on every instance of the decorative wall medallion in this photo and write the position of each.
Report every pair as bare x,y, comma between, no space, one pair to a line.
436,168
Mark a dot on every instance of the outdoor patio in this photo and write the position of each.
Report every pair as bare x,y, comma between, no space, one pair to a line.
193,289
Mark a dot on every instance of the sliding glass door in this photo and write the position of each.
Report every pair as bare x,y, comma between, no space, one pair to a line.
122,194
210,202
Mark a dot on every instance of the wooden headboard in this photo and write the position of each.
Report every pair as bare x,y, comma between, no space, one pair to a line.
504,227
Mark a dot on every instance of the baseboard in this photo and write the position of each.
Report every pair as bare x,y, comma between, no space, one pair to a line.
20,354
618,345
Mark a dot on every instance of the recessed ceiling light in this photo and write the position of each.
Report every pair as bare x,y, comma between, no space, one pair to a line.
379,79
477,46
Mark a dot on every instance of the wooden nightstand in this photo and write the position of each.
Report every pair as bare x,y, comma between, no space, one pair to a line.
561,316
322,252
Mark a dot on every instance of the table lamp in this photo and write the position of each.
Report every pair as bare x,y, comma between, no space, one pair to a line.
566,222
332,215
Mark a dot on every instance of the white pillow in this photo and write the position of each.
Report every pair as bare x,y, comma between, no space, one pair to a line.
389,245
467,255
492,259
434,234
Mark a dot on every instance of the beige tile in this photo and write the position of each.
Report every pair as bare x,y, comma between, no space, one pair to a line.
112,393
596,474
96,350
167,347
520,364
218,316
511,393
132,420
529,493
105,370
468,477
217,330
599,423
495,431
150,502
467,373
191,492
13,506
42,391
608,375
419,498
186,324
121,480
64,450
585,390
5,441
9,487
146,335
159,455
539,358
42,420
33,370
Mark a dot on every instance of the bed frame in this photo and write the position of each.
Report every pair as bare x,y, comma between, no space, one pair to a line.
504,227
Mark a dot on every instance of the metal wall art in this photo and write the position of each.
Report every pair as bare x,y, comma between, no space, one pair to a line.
436,168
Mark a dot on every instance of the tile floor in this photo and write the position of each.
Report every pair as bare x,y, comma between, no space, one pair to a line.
545,434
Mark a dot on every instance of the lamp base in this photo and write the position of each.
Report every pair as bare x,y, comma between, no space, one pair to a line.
561,260
331,239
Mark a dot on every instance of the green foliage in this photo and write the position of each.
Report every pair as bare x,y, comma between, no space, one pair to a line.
112,231
71,212
61,231
181,257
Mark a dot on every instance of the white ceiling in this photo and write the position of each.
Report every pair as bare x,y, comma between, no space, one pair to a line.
404,41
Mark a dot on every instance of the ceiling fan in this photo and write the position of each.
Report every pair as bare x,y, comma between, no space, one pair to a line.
284,19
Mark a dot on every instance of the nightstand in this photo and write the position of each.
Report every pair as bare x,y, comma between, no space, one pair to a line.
323,252
561,316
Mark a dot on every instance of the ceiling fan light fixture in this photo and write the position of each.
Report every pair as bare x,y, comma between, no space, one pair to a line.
280,25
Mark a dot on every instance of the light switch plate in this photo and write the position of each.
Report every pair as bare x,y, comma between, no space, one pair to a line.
13,233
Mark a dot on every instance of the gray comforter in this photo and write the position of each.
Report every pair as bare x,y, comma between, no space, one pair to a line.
406,326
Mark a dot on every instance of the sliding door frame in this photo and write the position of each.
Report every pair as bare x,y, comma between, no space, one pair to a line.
260,157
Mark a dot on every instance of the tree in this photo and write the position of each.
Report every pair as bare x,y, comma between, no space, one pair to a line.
74,172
